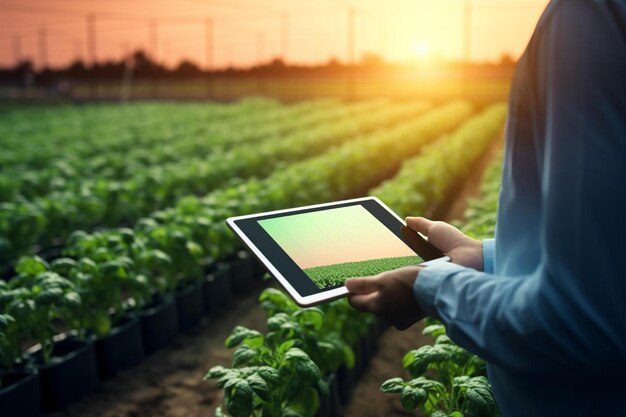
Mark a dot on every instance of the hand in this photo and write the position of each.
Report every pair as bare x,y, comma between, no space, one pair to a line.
461,249
388,295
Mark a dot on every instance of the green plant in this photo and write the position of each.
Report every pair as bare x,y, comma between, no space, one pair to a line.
446,380
301,348
73,194
280,379
310,330
40,298
10,332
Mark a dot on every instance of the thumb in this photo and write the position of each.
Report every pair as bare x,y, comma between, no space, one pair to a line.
419,224
365,302
363,285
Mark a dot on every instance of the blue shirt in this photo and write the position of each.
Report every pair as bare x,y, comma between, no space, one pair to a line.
549,312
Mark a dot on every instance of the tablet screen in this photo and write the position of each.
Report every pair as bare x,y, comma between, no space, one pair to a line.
335,244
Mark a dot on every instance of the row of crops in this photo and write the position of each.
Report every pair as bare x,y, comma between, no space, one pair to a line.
87,201
175,259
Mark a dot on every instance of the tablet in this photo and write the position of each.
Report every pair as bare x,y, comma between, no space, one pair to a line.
312,250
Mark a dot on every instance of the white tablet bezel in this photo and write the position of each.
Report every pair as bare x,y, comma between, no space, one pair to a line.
321,297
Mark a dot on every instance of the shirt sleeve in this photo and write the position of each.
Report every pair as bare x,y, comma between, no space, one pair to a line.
568,316
489,248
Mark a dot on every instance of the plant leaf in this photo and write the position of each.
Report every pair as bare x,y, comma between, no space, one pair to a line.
411,397
393,385
259,386
239,334
434,330
243,356
239,399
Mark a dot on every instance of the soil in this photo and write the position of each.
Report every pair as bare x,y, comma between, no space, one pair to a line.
170,383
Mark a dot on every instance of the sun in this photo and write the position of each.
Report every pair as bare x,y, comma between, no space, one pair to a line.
421,49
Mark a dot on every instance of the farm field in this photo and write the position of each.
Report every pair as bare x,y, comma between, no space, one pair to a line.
112,219
331,275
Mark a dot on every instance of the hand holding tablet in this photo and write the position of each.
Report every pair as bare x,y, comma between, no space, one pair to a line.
312,250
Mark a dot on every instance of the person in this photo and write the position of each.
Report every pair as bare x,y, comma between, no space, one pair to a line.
545,302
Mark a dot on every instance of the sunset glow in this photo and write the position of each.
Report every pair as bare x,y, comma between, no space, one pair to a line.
421,49
245,32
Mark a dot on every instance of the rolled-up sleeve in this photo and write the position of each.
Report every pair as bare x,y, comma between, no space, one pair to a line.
489,246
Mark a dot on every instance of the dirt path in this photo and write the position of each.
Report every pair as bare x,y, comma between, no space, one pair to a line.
169,383
367,399
454,209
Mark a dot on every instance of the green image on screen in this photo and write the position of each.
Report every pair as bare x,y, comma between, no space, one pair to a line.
333,245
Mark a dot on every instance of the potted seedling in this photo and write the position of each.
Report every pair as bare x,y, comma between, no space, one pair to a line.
19,385
142,274
67,364
312,332
216,292
217,288
353,328
159,319
182,279
267,378
109,286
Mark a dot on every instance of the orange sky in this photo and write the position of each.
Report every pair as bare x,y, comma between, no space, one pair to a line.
248,30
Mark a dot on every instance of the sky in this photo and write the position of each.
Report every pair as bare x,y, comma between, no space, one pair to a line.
245,32
347,234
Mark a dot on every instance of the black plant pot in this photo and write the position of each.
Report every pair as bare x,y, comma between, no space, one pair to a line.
330,405
381,327
360,361
71,374
258,269
346,378
189,305
241,273
121,349
216,289
159,323
372,341
367,352
20,394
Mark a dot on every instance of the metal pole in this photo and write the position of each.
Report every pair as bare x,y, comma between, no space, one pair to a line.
91,39
208,28
91,51
284,34
208,49
154,39
351,81
467,32
153,26
260,54
43,48
17,49
78,50
260,48
350,52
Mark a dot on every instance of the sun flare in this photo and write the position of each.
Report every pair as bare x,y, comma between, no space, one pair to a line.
421,49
